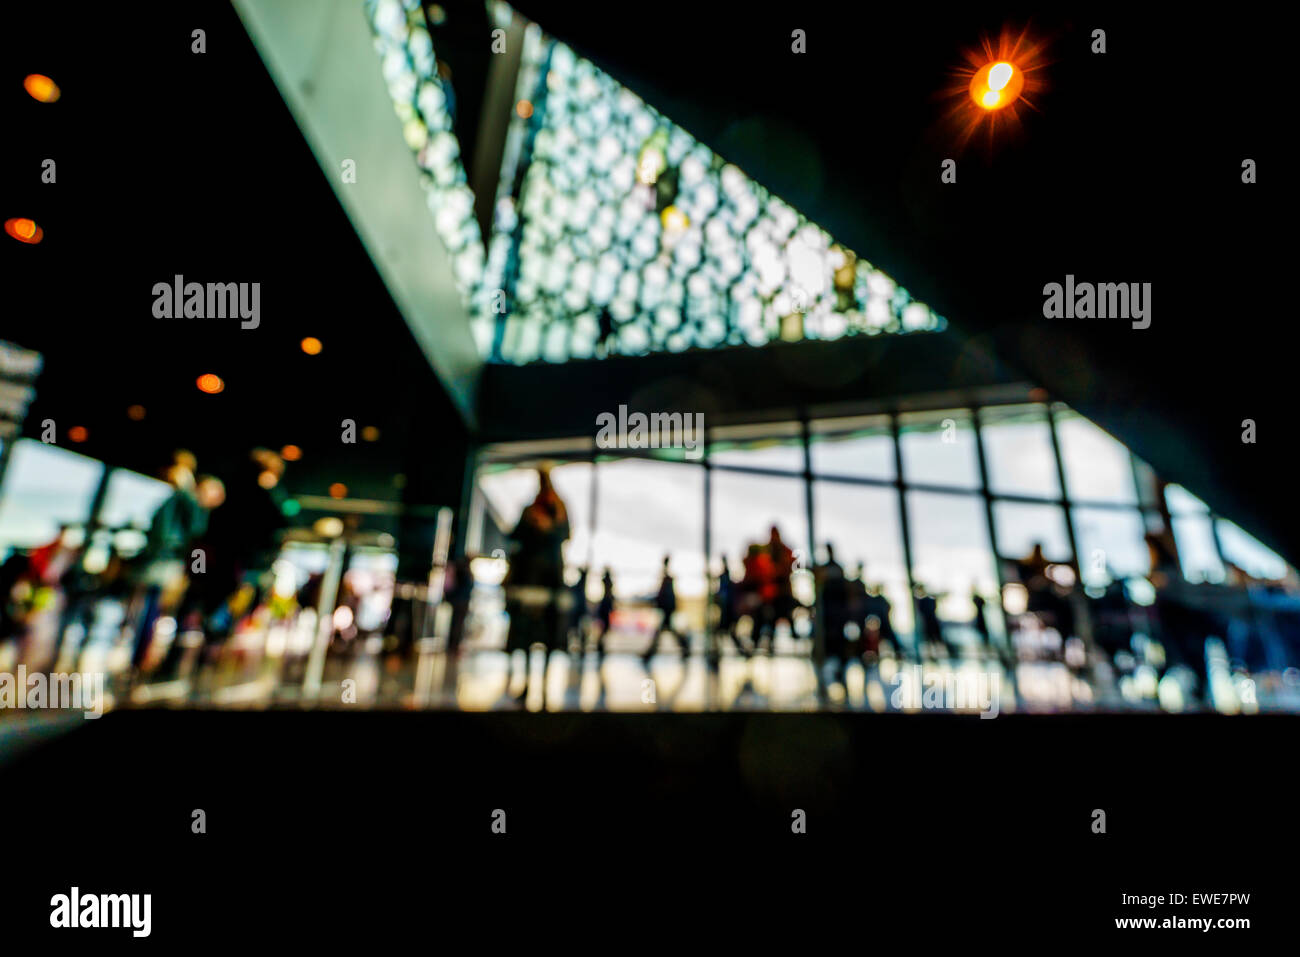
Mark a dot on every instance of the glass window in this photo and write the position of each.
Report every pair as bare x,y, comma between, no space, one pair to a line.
1248,553
745,507
855,448
951,554
864,526
1020,526
758,446
939,449
508,491
1112,544
1018,450
1097,468
1197,554
132,499
644,511
44,486
1182,502
1148,484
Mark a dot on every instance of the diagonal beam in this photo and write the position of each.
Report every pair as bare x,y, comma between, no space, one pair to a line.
320,54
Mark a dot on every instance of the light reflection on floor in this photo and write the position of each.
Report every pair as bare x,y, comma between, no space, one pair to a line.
486,679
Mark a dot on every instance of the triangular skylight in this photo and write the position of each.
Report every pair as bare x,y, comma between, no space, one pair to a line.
615,231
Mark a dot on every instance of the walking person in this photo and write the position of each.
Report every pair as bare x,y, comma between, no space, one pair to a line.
535,579
604,613
666,603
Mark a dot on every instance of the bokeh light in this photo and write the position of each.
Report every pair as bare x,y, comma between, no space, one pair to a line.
24,230
996,85
41,88
209,383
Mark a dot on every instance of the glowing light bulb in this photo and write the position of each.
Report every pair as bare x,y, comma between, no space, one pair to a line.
996,85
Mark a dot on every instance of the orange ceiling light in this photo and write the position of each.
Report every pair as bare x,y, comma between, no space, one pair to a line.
24,230
997,85
41,88
291,453
209,383
311,345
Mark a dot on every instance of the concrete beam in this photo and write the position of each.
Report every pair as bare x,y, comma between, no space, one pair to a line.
321,56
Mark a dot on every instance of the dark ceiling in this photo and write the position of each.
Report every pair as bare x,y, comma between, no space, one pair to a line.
171,162
1129,171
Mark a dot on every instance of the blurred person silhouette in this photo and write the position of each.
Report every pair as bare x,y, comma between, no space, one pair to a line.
241,544
726,600
14,585
210,493
927,610
783,590
163,561
579,613
604,612
755,592
1046,600
81,595
605,337
1032,571
833,612
980,623
666,603
855,591
879,624
1163,553
536,579
36,600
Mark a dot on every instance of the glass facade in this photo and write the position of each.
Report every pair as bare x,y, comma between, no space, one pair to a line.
615,232
949,525
44,487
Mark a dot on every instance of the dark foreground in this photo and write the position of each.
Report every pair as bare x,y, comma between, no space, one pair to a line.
667,830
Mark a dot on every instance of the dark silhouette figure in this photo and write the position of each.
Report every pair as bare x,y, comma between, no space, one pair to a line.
833,611
726,598
878,625
163,561
666,602
767,572
604,612
927,610
980,623
536,577
579,612
855,590
241,544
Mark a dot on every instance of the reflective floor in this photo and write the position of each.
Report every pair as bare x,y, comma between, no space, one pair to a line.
268,664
